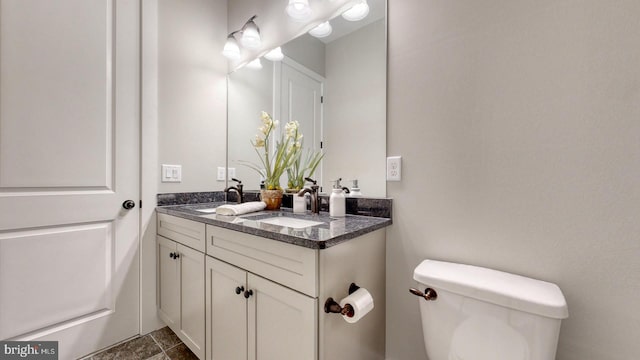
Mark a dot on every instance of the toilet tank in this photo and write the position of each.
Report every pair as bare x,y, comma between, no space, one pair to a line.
484,314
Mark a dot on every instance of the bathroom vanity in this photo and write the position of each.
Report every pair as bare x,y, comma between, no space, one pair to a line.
255,286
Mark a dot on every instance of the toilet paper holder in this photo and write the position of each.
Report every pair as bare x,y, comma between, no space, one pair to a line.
332,306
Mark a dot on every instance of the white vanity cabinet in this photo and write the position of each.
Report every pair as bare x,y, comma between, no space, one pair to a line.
232,295
249,317
265,298
181,273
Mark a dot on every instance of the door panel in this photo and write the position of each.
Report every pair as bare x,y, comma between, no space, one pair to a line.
81,294
300,101
60,71
69,157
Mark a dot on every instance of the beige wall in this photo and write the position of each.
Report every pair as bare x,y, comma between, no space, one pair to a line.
184,113
308,51
250,91
519,127
192,91
355,110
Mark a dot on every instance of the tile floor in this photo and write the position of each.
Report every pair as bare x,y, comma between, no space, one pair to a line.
161,344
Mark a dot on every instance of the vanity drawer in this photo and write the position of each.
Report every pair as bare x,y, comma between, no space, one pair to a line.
187,232
290,265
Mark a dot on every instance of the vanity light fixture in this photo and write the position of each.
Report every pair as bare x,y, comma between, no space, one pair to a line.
255,64
299,10
322,30
275,54
358,12
249,38
231,49
251,34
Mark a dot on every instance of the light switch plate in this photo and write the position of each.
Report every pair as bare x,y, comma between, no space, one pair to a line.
231,172
171,173
394,168
222,174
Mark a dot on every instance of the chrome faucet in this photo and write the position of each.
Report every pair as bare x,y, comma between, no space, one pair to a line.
313,190
237,189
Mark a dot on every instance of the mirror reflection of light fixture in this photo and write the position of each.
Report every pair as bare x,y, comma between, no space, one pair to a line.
251,34
231,49
358,12
299,10
275,54
255,64
322,30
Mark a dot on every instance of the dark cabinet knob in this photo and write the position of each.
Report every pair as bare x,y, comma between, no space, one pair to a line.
176,255
239,289
171,255
248,293
128,204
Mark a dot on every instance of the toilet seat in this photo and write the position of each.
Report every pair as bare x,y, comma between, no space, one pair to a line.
485,338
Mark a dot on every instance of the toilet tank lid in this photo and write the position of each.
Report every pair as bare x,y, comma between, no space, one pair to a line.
497,287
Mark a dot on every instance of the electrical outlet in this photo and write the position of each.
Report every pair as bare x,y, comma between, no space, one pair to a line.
222,173
394,168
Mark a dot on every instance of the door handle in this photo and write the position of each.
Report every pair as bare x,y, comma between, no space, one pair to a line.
128,204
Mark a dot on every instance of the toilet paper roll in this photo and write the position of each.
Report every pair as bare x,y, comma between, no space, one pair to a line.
361,301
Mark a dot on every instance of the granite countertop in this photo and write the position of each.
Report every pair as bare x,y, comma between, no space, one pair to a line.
332,231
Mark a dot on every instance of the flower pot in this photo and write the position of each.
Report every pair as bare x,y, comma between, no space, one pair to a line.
273,199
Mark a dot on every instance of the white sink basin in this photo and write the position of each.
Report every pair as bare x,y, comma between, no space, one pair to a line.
290,222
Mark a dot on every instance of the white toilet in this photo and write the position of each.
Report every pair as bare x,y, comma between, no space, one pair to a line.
474,313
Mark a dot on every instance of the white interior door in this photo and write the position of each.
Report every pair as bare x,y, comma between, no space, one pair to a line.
69,158
300,100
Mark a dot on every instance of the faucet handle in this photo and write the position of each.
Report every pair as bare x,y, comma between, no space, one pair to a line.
311,180
236,180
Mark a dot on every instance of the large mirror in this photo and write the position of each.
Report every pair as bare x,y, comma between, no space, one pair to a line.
335,87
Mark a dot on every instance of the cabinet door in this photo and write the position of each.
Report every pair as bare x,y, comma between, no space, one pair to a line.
226,311
168,283
191,292
282,322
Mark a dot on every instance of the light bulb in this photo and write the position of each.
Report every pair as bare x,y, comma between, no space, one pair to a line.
299,10
231,49
322,30
358,12
255,64
251,35
275,54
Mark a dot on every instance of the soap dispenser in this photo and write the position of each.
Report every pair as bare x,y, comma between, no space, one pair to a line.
337,207
355,190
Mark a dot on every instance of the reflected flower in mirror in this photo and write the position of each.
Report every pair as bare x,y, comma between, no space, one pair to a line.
273,161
